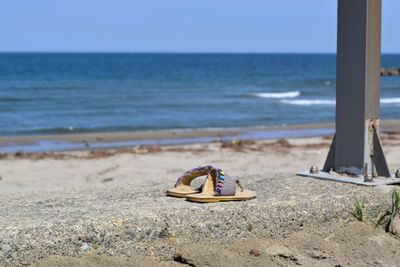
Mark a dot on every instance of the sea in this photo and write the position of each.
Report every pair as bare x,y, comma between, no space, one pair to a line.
54,93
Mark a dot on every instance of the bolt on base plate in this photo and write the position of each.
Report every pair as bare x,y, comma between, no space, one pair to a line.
352,180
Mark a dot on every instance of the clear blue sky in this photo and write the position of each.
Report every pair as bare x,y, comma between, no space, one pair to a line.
179,25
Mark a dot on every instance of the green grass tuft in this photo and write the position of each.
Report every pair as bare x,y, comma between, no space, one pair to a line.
387,218
359,210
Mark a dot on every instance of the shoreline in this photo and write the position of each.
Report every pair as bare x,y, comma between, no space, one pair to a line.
110,140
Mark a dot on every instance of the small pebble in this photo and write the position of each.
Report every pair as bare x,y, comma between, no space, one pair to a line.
255,252
5,248
86,247
130,232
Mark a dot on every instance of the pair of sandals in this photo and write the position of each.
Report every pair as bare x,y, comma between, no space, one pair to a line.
217,187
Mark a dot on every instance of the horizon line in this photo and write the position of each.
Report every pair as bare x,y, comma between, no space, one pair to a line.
173,52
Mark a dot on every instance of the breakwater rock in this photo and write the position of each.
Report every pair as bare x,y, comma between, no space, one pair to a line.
390,71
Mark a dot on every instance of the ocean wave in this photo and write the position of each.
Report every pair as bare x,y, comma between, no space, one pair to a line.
56,130
330,102
309,102
390,100
291,94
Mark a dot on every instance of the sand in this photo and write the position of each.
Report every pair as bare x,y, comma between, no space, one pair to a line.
107,207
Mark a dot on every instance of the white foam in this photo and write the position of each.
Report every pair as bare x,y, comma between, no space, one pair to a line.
309,102
291,94
390,101
330,102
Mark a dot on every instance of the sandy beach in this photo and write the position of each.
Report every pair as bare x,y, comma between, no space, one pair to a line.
108,207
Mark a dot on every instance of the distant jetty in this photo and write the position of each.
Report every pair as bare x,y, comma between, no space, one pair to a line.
390,71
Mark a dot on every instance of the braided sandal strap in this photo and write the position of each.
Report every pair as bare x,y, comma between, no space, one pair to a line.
189,176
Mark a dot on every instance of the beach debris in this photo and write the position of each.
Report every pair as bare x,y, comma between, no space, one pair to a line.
284,143
96,154
237,145
105,171
392,135
397,174
314,169
255,252
106,180
19,154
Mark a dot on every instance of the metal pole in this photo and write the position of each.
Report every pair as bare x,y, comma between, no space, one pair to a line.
356,148
356,151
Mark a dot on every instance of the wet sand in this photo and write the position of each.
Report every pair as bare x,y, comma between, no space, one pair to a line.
105,140
388,125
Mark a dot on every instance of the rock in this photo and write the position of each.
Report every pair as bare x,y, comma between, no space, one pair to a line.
86,247
164,233
5,248
118,222
130,232
394,72
255,252
390,72
396,227
172,241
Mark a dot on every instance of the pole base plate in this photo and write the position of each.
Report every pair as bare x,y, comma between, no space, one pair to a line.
351,180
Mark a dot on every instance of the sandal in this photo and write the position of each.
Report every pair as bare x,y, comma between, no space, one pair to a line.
182,186
220,187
